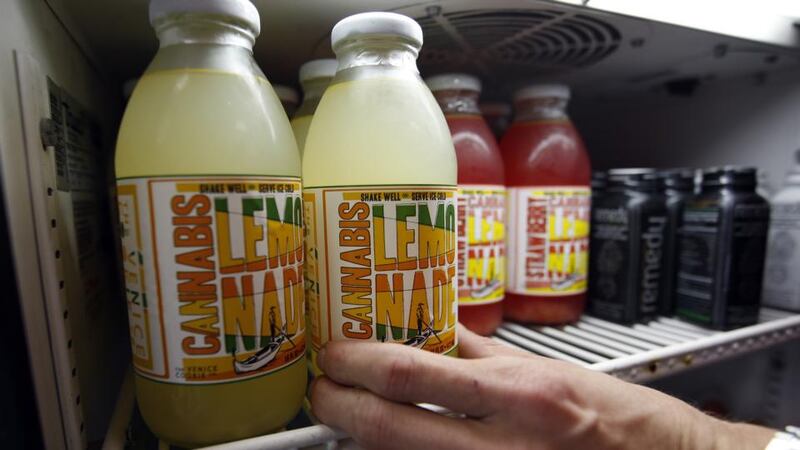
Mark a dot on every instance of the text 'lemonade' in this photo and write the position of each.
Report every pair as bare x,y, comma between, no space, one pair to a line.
211,213
380,197
481,203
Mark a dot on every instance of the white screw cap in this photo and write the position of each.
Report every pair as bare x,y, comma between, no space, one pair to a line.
542,91
242,10
377,24
452,82
286,94
318,68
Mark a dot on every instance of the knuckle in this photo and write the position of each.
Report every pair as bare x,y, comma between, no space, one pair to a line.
334,354
400,376
547,395
374,426
325,401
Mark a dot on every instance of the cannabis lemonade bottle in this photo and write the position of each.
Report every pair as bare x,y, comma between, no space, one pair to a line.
315,76
380,175
208,180
481,203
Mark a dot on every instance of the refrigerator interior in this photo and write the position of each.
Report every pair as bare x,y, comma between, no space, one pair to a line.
647,92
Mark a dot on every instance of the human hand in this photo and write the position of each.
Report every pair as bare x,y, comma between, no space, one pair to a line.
511,399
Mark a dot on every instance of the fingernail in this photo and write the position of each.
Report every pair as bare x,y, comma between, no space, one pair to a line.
321,357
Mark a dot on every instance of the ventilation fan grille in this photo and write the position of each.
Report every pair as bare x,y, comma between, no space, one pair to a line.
538,39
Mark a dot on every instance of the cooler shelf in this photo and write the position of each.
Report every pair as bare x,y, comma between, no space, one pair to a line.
643,352
637,353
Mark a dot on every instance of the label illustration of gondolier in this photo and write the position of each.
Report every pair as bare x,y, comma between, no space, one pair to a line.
267,353
387,259
424,331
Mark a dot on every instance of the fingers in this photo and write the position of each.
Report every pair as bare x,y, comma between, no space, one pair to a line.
408,375
378,423
471,345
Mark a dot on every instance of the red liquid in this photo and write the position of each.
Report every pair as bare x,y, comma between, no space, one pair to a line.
544,153
479,163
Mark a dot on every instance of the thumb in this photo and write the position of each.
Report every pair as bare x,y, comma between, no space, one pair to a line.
471,345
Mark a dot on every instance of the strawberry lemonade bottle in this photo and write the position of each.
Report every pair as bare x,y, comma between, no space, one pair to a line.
481,203
315,76
380,175
208,182
548,177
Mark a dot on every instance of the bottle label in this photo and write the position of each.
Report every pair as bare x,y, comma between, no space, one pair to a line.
609,255
548,239
721,256
481,244
213,275
781,279
651,263
700,236
382,265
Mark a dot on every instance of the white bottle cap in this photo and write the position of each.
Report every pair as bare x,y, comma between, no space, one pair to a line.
377,24
286,94
542,91
242,10
452,82
318,68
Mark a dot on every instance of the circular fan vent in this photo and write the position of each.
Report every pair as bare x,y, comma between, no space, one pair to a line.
544,40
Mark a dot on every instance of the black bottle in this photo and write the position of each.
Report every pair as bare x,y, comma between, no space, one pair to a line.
722,249
677,185
628,230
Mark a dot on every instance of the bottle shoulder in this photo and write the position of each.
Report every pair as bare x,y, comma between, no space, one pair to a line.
377,128
201,121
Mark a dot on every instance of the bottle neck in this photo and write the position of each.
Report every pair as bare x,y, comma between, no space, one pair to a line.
198,42
458,101
201,29
540,109
377,52
312,93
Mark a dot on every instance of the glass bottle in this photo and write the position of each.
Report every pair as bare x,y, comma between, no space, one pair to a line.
481,203
208,187
288,97
381,179
548,178
315,76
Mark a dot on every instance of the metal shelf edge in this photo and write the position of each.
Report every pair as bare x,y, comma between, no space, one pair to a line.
673,358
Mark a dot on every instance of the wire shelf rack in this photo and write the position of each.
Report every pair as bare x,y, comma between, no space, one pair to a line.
636,353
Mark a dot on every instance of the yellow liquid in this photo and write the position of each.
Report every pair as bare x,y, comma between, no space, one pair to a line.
201,122
378,131
300,127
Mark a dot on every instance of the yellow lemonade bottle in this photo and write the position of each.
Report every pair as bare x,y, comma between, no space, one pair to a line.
380,176
208,182
315,76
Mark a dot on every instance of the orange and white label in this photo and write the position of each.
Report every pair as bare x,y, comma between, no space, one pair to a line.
548,239
481,244
384,265
213,271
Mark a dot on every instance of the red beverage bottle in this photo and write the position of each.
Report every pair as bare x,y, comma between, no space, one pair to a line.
481,203
548,175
